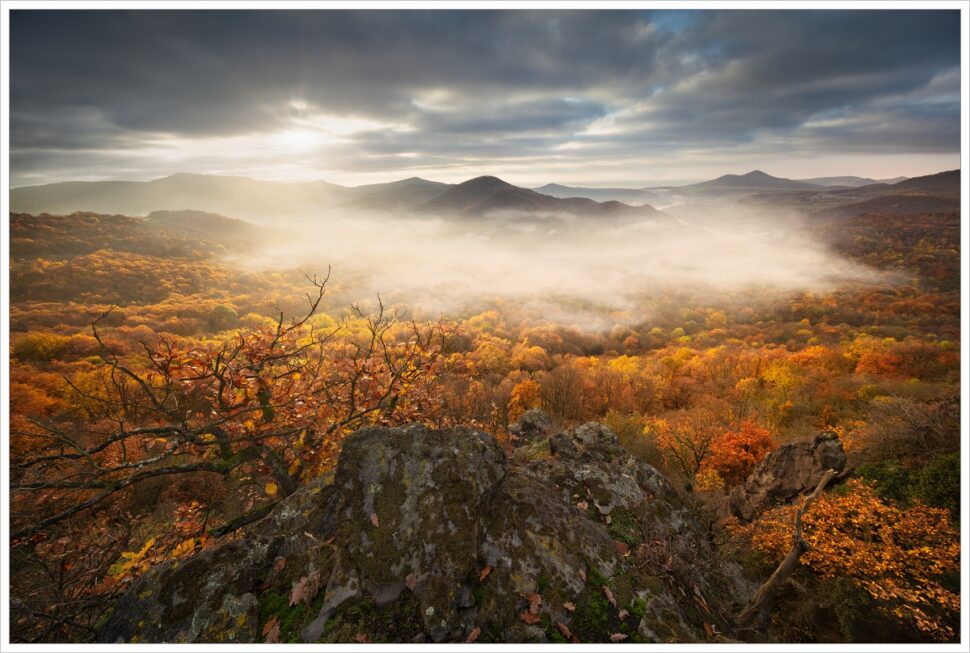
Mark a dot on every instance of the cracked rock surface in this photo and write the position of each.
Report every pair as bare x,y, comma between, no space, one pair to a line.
423,535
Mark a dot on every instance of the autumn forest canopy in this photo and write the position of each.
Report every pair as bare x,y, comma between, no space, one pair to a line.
171,383
493,327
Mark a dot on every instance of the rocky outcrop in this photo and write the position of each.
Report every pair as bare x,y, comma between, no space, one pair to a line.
424,535
784,474
531,425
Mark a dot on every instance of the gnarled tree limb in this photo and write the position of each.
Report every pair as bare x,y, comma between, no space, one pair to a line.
799,546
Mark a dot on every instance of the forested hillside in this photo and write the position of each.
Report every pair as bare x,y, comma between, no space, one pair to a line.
164,398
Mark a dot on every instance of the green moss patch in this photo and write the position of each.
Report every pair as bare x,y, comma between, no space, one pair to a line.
595,618
400,621
624,528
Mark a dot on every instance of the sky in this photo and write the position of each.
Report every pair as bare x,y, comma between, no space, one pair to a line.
597,98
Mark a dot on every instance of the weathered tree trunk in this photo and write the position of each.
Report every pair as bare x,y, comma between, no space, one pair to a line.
762,598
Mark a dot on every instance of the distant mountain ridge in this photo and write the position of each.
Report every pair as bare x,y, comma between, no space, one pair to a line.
849,181
258,201
483,195
756,180
632,196
267,202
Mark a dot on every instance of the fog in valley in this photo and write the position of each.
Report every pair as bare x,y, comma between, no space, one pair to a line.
572,268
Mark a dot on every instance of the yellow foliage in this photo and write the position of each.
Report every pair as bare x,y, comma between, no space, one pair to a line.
898,556
131,562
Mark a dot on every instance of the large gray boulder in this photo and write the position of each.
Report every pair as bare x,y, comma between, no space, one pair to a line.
424,535
784,474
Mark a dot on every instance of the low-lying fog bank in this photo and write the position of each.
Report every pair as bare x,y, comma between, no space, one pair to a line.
564,262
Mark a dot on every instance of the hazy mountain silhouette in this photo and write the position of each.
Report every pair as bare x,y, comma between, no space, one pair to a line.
941,184
632,196
849,181
263,202
755,180
483,195
240,197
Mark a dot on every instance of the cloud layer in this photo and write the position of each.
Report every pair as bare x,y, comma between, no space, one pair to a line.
532,95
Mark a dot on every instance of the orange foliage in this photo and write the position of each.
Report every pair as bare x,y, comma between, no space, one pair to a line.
525,395
735,454
898,556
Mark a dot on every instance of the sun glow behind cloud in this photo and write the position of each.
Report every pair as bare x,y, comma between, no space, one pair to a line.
579,98
309,137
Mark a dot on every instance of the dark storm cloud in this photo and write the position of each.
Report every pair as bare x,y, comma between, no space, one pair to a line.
468,85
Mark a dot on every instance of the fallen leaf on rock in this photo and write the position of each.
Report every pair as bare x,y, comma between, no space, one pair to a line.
279,564
609,595
582,574
582,505
621,547
374,520
473,635
617,637
534,602
305,589
623,614
362,638
411,581
529,617
272,631
569,605
709,629
269,624
564,629
483,574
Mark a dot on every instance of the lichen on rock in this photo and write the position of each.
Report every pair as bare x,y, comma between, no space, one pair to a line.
425,535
